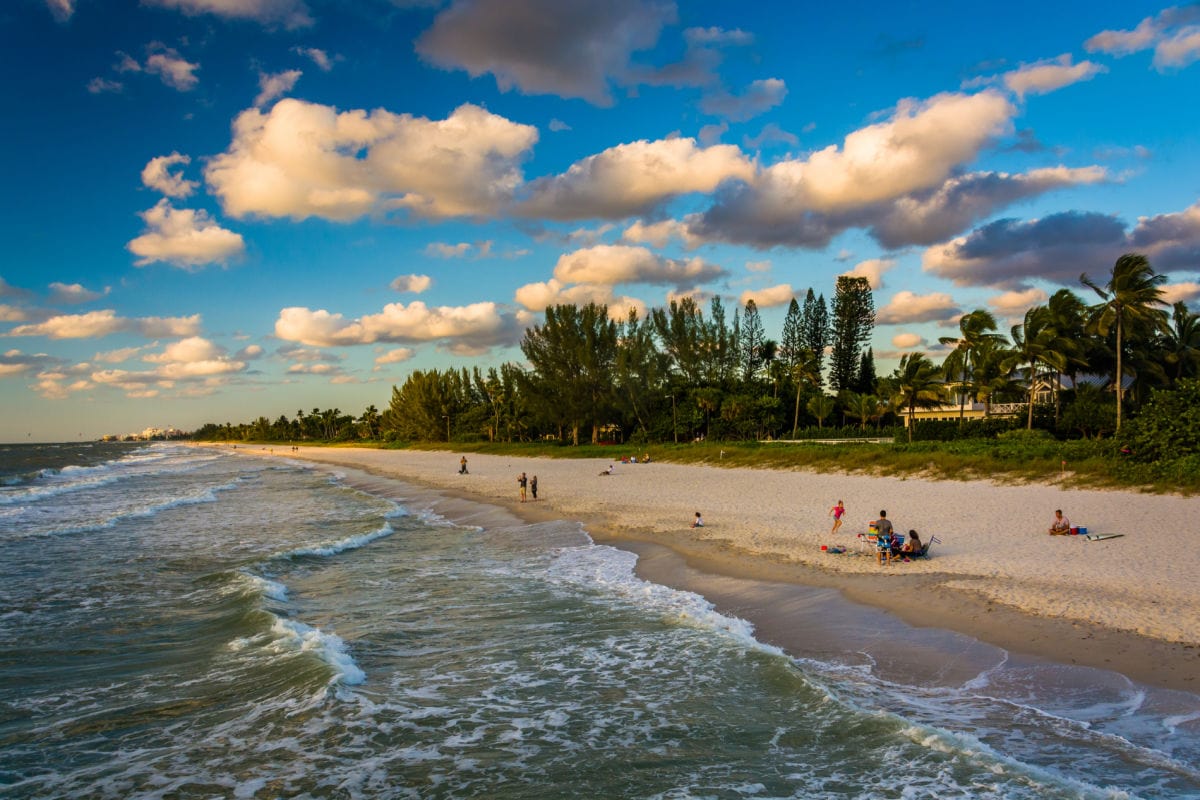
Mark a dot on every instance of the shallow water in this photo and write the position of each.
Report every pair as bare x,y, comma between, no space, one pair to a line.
178,622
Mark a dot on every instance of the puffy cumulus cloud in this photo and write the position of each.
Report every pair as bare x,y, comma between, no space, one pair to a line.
772,296
95,324
172,68
411,283
546,46
615,263
1007,252
808,201
1173,34
444,250
184,238
249,353
193,366
1182,292
73,293
1049,75
273,86
1016,302
314,369
908,306
760,96
1172,241
291,14
907,341
635,178
157,175
14,362
61,382
476,326
872,269
661,233
539,296
930,216
395,356
61,10
302,160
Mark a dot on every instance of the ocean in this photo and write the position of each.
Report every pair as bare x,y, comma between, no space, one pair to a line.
185,622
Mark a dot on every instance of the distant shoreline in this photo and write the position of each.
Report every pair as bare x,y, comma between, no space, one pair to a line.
1119,605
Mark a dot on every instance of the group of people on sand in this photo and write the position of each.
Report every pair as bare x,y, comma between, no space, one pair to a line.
885,533
525,484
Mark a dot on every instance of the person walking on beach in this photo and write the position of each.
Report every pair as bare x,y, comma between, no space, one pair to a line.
522,482
1061,526
837,512
462,466
533,486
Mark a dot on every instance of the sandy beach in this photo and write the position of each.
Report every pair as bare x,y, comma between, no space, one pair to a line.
1125,603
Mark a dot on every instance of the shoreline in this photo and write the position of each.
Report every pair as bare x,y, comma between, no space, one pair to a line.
709,561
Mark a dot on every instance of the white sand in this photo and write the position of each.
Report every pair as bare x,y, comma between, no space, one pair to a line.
994,540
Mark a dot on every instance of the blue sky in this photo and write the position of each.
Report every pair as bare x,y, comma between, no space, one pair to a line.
220,209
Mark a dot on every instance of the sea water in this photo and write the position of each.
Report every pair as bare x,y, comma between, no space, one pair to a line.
182,622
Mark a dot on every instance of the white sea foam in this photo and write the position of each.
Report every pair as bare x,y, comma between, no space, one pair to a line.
340,545
266,587
328,647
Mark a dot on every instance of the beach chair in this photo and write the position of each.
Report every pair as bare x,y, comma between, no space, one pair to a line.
924,551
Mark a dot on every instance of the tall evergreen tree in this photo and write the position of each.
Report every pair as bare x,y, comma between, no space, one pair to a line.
865,382
791,341
751,345
814,328
853,322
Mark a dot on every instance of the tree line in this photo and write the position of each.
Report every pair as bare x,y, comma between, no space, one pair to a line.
684,373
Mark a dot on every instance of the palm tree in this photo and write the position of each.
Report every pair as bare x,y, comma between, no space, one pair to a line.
863,407
821,406
1129,299
917,384
806,369
1036,342
1182,342
975,330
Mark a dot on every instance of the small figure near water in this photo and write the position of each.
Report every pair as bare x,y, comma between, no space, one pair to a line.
1061,526
698,522
533,486
462,466
522,482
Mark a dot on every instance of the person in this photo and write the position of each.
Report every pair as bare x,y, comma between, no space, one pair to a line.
913,545
698,522
522,482
646,458
1061,526
462,466
883,527
608,471
837,512
533,486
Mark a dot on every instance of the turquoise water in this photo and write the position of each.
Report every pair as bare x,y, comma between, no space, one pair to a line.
181,622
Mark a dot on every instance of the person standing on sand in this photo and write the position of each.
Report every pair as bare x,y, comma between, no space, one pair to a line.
837,512
522,482
533,486
883,527
462,466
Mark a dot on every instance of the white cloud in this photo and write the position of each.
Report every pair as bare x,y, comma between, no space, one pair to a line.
62,10
104,86
303,160
478,325
1173,34
157,175
444,250
317,56
1178,51
13,313
759,266
249,353
1049,75
291,14
557,125
661,233
634,178
95,324
396,356
72,293
14,362
872,269
1015,303
1184,291
614,264
760,96
272,87
539,296
411,283
184,238
907,341
546,46
908,306
779,295
174,70
117,356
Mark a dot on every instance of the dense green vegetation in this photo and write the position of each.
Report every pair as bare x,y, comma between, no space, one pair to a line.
696,386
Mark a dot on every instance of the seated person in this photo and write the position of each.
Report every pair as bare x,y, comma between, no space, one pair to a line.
1061,526
698,522
913,545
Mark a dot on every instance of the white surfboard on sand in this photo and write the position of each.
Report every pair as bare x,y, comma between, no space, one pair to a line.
1096,537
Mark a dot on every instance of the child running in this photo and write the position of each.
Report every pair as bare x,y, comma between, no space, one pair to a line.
837,512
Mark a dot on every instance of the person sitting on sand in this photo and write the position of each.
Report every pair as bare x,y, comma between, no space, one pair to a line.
608,471
913,544
698,522
1061,526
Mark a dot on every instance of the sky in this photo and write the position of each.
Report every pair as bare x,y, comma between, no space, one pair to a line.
220,209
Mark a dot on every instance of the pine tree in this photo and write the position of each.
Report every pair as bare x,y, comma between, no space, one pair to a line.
791,341
853,321
751,345
814,328
865,382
